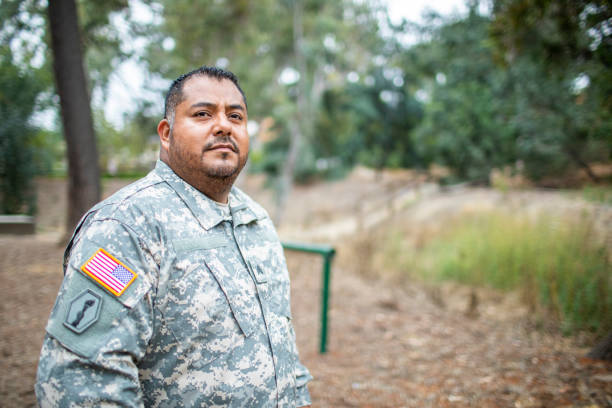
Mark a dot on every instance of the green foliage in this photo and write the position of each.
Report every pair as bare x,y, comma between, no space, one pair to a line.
529,85
23,25
557,263
526,88
558,54
369,124
18,153
465,125
23,28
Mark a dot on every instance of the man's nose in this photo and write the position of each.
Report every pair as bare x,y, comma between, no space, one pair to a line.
222,125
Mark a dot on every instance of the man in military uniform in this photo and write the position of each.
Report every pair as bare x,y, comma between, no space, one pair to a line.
176,291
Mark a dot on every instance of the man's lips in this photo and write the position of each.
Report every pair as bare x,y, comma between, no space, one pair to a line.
222,146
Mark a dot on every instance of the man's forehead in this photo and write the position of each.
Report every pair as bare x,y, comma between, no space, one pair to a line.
198,87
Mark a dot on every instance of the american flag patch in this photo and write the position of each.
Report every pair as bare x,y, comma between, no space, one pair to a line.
109,272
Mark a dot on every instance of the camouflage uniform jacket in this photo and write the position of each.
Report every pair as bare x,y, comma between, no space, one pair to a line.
205,322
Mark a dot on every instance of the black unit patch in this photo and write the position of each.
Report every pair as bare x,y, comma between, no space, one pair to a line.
83,311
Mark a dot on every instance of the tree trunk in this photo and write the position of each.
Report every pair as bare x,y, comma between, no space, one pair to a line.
297,126
603,349
83,170
286,178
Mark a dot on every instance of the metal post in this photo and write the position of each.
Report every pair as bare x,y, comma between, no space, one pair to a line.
325,299
328,253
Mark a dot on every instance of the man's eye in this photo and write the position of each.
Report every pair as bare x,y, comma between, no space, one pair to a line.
202,113
236,116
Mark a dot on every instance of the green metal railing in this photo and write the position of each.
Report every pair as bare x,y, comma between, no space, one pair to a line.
328,253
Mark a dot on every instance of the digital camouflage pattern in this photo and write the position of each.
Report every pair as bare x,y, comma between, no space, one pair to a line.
206,322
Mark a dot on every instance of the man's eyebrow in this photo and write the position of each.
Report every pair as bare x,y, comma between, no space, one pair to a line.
234,106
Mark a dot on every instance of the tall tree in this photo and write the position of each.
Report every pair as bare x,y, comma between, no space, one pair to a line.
83,170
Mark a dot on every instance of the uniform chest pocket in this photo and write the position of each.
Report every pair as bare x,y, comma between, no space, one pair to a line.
209,304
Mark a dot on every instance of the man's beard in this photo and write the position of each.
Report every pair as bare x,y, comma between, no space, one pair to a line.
192,167
224,171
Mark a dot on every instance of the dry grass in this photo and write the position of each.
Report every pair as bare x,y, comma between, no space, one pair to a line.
559,263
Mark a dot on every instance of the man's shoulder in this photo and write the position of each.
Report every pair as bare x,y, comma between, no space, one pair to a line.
147,192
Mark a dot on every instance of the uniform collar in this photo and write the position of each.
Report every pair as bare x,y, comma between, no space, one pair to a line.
208,213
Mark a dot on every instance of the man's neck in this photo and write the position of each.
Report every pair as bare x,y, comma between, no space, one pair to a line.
215,188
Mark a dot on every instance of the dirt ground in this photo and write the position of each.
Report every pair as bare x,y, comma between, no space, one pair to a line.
389,345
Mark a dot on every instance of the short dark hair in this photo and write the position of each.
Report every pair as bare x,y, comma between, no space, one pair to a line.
175,93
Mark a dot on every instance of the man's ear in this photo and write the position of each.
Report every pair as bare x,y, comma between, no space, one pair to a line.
163,130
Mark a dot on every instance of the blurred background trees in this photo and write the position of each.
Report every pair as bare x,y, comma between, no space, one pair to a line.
559,54
523,86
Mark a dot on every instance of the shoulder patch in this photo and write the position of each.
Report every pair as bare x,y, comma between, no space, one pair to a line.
83,311
109,272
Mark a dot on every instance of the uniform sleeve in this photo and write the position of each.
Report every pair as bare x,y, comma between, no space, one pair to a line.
97,332
302,377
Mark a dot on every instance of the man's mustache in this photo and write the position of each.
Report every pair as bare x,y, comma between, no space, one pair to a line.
221,141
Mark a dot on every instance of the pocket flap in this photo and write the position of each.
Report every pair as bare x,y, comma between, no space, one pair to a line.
243,305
